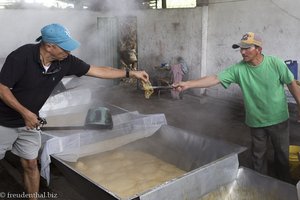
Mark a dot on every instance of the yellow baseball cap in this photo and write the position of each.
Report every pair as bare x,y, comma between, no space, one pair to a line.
248,40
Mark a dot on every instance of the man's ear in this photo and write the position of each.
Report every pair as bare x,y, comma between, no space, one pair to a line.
258,49
49,46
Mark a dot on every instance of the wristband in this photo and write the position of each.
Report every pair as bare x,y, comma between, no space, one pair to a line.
127,73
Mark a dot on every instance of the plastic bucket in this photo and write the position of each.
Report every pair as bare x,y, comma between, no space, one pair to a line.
294,162
293,67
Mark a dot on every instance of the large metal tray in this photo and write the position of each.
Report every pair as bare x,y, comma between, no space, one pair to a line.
187,151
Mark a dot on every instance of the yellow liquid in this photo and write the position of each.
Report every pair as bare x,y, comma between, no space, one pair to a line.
126,173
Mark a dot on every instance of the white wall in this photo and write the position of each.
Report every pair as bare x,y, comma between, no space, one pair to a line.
163,35
19,27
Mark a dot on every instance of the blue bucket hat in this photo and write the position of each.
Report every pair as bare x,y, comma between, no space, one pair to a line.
59,35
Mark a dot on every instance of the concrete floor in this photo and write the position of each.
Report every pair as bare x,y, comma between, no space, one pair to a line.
206,115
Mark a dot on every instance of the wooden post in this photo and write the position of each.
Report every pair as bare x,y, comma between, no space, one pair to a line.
164,4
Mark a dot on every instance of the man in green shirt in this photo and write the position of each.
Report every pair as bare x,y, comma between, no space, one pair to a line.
261,79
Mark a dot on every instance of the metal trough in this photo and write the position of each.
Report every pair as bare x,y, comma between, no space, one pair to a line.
251,185
191,153
212,171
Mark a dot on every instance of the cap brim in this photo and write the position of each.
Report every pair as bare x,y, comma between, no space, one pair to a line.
242,45
69,45
235,46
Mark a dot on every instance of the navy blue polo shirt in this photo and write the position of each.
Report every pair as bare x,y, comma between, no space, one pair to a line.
23,73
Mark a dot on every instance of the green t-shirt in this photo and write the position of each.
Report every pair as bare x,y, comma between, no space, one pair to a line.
263,89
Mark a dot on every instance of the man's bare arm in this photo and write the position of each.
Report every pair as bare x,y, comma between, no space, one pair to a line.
204,82
295,91
110,72
7,96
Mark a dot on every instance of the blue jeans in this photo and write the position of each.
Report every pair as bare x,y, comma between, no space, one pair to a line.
279,135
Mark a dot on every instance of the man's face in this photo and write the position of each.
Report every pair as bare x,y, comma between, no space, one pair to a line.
58,53
249,54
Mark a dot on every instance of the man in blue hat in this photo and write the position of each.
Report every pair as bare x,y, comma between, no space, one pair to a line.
27,78
261,79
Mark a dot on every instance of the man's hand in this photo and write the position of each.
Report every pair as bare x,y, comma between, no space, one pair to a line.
181,86
140,75
7,96
203,82
31,120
